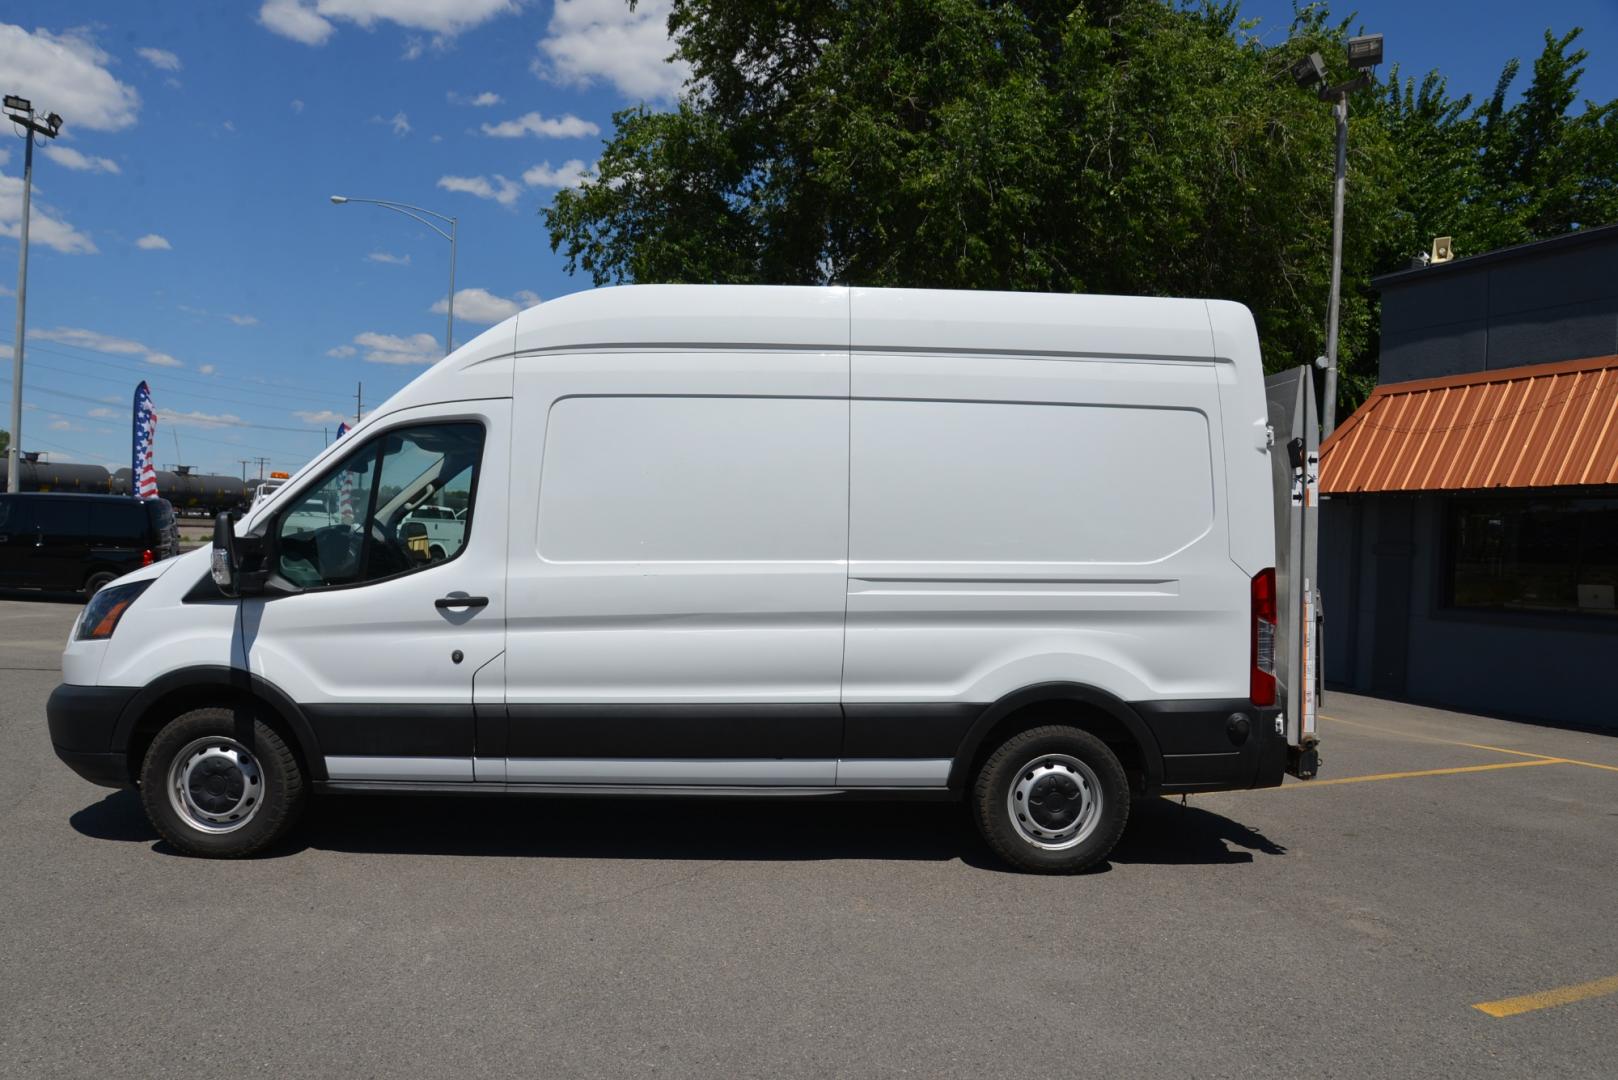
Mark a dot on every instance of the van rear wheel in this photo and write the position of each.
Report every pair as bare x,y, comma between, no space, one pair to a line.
1052,800
219,782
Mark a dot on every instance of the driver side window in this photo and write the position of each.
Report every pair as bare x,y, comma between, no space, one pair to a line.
361,522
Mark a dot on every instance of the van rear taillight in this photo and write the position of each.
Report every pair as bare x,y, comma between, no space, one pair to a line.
147,558
1262,687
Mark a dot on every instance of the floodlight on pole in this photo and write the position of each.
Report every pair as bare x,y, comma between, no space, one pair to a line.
414,213
19,110
1364,53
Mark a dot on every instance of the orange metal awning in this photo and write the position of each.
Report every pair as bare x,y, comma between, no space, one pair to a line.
1544,425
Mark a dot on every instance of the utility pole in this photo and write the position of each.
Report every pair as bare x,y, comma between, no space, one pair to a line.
1334,305
1309,72
245,462
21,111
263,461
359,402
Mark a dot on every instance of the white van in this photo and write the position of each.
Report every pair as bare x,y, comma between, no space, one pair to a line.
720,540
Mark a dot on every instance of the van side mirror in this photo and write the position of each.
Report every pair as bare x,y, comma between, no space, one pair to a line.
235,565
223,563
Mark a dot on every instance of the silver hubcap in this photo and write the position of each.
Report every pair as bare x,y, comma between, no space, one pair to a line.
215,785
1055,802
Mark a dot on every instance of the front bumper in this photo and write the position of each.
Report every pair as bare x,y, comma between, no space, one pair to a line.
82,720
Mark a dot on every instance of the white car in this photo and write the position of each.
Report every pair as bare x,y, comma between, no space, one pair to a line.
444,529
1012,549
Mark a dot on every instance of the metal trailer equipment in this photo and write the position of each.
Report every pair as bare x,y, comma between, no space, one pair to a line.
1300,627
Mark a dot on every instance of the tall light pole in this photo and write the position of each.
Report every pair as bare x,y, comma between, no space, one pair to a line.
415,213
1363,53
21,111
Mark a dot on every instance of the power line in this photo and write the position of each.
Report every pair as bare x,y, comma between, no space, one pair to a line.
90,356
232,422
163,383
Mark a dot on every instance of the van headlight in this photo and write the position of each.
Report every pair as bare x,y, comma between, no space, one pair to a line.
101,615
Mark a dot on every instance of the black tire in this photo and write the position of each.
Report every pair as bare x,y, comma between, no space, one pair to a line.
268,816
98,581
1015,759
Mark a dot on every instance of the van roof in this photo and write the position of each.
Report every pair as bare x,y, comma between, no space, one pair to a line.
791,316
773,317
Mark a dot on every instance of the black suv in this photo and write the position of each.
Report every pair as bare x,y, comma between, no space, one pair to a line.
80,542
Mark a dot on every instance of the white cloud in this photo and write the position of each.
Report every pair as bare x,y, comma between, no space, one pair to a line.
341,351
568,174
65,425
291,19
484,307
44,226
592,40
101,412
485,100
311,21
389,258
66,73
69,158
324,416
401,124
414,47
566,126
207,369
194,418
161,59
389,349
297,105
502,191
96,341
153,242
243,320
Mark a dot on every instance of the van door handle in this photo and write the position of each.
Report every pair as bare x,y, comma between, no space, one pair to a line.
461,601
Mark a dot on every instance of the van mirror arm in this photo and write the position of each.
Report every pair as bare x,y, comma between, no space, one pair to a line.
237,562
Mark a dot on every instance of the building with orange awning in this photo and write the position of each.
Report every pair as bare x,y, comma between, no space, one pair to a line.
1469,540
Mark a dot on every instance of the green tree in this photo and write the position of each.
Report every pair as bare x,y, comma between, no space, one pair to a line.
1126,146
5,440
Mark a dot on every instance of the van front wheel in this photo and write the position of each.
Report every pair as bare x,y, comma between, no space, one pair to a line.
1053,800
218,782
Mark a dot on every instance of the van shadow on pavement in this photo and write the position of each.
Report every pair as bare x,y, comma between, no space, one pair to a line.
1159,832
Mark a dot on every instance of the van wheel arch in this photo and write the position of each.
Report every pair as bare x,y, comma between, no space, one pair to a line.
1103,715
179,692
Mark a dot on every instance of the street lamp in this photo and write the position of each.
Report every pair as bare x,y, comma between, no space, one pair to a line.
1364,53
415,212
21,111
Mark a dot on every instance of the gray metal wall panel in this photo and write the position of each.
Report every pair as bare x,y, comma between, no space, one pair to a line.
1578,275
1451,349
1560,305
1546,335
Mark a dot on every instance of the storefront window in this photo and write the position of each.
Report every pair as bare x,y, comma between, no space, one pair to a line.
1534,553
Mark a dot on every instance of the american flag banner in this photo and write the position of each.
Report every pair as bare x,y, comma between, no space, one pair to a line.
142,473
345,488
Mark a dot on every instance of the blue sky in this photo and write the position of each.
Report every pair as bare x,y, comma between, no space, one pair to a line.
182,228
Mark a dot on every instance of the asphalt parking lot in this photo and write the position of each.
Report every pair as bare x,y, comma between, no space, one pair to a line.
1441,903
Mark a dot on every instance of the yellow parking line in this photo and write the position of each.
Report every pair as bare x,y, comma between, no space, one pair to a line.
1423,772
1545,999
1472,746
